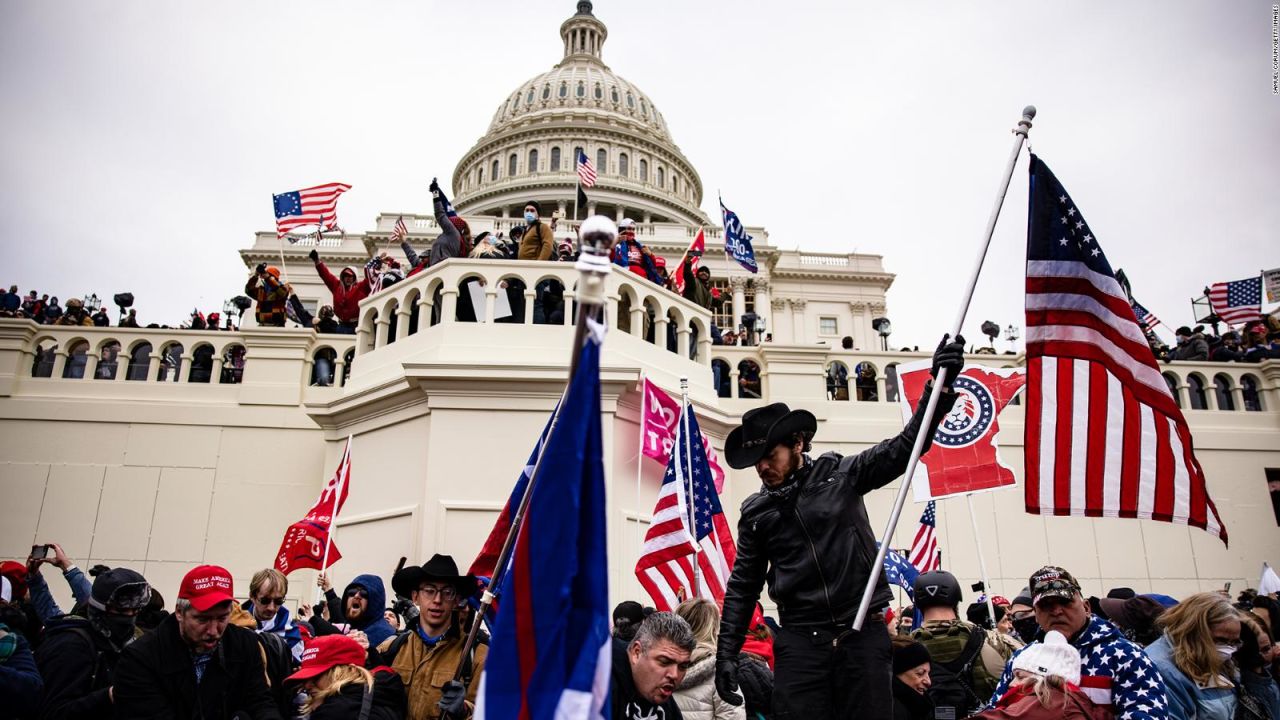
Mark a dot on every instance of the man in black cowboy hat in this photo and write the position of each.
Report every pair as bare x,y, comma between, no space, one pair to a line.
808,535
431,649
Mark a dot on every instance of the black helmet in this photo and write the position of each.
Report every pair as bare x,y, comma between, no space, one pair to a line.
936,589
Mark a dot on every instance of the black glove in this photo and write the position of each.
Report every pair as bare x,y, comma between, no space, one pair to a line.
949,356
315,256
453,699
262,267
727,680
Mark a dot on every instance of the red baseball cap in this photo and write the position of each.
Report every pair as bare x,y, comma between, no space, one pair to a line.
326,651
206,586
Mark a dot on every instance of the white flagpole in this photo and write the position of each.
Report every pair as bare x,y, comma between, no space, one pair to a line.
1024,126
344,470
644,399
688,468
982,561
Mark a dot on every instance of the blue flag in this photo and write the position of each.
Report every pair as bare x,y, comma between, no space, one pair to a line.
550,651
737,243
899,571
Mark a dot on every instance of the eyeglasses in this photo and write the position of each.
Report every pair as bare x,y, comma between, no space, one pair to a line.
445,593
277,601
357,592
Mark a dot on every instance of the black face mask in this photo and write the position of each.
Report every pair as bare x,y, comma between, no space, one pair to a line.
118,629
1026,628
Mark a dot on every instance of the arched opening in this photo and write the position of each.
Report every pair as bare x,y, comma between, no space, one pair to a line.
201,364
323,363
1252,398
511,165
533,160
650,319
1195,384
837,381
470,305
1222,389
644,170
42,361
108,361
347,361
749,379
624,166
170,362
77,360
891,383
1172,381
662,178
602,161
232,365
392,313
493,173
865,382
139,361
555,159
548,303
673,327
720,376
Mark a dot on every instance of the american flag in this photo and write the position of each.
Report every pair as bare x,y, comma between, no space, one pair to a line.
1103,435
1238,301
586,171
310,206
665,567
924,553
1145,318
400,231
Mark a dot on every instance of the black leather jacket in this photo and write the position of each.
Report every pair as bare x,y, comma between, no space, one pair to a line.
815,547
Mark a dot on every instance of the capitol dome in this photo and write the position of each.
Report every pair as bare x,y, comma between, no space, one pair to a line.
529,149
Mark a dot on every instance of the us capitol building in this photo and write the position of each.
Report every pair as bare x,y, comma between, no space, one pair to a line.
137,460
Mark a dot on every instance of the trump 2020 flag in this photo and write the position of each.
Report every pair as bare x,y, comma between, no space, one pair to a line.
305,541
737,243
550,652
965,455
899,571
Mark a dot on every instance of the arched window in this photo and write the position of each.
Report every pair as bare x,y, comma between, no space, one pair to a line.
837,381
511,165
599,92
555,159
1252,399
613,94
546,91
494,174
480,176
533,160
749,379
662,178
644,109
564,90
623,167
108,361
77,361
201,364
644,170
720,374
1196,391
1172,382
170,362
675,183
631,101
602,160
139,359
865,382
528,100
323,363
1222,388
582,89
891,383
233,364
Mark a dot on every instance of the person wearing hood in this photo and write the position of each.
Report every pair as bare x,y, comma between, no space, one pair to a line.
362,604
348,290
269,293
79,655
696,693
1115,672
338,687
453,241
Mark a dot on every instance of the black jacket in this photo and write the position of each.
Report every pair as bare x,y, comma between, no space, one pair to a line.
388,700
78,665
625,700
909,704
815,546
156,678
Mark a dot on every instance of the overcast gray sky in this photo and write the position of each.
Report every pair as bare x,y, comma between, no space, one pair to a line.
142,140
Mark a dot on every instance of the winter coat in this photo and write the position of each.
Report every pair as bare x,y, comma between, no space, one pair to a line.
277,661
346,300
81,320
20,682
78,665
694,290
373,622
814,545
156,678
270,297
538,243
1187,700
1114,672
388,700
624,701
696,694
1071,704
448,244
425,669
1195,348
909,704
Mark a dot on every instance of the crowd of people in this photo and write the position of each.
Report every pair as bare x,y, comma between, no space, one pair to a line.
1258,341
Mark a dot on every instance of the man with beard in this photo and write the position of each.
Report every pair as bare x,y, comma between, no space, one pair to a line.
363,603
78,656
647,670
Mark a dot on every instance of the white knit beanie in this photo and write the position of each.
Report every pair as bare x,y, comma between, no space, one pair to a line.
1053,656
6,589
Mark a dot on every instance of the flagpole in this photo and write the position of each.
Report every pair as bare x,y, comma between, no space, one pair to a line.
594,266
982,561
1020,133
344,469
644,400
688,468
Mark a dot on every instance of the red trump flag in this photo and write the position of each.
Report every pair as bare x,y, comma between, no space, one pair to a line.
305,541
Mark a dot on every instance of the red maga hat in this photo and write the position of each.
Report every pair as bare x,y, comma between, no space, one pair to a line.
206,586
325,652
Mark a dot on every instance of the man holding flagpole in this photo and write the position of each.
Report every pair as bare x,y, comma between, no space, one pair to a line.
807,533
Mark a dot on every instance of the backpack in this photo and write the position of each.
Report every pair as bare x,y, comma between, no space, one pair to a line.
952,689
403,636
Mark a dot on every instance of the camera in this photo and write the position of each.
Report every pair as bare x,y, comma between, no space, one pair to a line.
39,552
978,587
406,609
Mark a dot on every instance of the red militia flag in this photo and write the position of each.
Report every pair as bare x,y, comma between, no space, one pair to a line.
1103,436
310,206
681,536
304,541
693,256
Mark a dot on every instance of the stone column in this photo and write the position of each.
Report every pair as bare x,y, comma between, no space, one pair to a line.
569,297
739,286
153,367
530,294
215,376
380,338
90,365
184,369
762,305
875,310
339,363
402,324
660,323
1184,394
682,341
798,330
858,310
638,316
448,305
779,306
59,363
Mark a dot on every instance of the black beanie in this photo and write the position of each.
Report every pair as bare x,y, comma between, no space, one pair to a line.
120,587
909,656
628,610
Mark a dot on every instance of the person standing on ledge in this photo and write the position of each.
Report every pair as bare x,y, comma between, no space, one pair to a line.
806,532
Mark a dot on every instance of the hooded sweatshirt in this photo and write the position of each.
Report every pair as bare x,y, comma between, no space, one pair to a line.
372,623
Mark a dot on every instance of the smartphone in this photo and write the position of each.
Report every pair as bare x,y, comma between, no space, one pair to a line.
1226,587
39,552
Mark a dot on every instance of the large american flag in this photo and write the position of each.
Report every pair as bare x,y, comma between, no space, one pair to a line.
924,553
1103,435
586,171
310,206
1238,301
665,567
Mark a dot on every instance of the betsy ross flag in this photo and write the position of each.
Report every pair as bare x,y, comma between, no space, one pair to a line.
550,650
924,554
692,256
672,546
1238,301
400,232
310,206
586,171
304,542
1146,320
1103,435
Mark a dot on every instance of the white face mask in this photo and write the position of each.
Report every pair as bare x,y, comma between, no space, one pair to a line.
1225,651
530,217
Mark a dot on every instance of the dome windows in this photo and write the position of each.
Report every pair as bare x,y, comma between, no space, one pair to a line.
528,99
555,159
480,176
644,170
599,92
494,174
533,160
613,93
602,160
631,101
662,176
644,109
582,89
564,90
546,91
623,165
511,165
